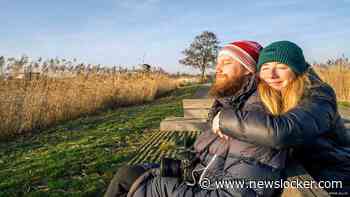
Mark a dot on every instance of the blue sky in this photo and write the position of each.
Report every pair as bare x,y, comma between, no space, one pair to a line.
122,32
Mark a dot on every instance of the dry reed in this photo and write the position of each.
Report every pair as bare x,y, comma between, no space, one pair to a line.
338,76
26,105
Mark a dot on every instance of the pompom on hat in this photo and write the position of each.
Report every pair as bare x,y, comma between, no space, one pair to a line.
244,51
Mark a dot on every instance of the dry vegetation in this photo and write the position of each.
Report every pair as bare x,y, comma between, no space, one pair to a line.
40,102
337,74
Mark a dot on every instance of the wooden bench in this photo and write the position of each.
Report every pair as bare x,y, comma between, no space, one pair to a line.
195,116
296,173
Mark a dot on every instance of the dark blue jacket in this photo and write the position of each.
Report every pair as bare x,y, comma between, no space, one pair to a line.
314,129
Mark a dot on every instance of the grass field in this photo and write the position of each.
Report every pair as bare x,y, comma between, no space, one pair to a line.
79,157
344,104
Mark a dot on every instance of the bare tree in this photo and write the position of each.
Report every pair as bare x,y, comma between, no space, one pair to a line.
202,52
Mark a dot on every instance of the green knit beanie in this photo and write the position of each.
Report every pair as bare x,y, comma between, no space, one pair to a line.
285,52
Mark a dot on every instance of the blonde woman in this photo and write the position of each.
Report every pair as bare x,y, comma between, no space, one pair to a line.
292,108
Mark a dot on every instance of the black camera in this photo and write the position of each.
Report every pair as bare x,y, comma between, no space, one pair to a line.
182,169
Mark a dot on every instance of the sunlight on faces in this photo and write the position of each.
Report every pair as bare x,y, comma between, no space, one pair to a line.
228,68
229,73
277,75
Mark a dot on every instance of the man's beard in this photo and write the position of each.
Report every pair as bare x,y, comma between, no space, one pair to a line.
227,86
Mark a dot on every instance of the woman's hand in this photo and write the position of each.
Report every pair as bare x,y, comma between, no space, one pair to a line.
216,127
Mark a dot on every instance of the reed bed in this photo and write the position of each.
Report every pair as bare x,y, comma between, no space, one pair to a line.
338,76
27,105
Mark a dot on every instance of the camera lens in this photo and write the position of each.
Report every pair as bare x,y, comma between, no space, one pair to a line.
170,167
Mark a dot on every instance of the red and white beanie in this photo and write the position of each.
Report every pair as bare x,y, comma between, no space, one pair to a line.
245,52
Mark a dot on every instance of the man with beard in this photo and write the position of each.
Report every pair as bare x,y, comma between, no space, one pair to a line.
235,62
236,67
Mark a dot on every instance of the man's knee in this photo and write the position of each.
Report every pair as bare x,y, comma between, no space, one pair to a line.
128,174
123,179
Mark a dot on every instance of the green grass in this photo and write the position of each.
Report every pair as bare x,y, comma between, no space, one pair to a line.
79,157
344,104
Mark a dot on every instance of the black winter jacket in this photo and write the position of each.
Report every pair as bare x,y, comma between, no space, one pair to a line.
314,129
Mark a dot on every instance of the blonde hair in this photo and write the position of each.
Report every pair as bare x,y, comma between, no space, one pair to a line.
278,102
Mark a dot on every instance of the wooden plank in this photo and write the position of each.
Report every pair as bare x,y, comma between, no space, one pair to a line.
296,172
197,103
196,113
344,112
307,192
150,150
183,124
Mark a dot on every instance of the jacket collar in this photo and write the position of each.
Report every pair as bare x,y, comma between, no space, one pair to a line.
248,87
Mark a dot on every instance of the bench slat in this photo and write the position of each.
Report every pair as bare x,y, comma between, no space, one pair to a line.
197,103
196,113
